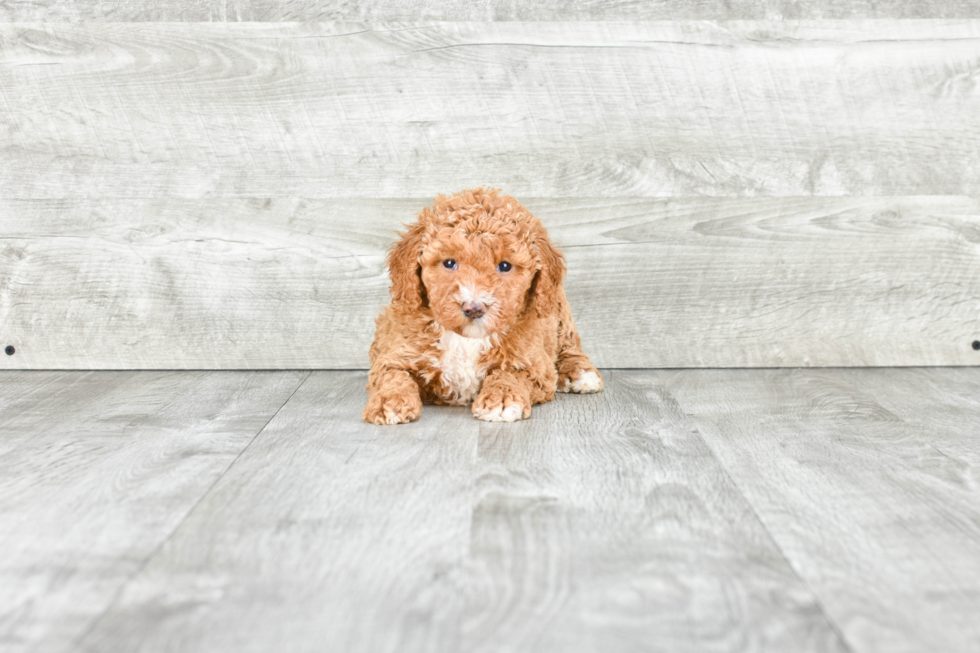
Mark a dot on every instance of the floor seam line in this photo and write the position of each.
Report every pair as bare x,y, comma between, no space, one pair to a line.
156,550
738,488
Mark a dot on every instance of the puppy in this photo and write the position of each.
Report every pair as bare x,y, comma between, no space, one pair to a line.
477,316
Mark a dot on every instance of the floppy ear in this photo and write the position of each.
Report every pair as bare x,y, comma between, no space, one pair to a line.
405,270
546,285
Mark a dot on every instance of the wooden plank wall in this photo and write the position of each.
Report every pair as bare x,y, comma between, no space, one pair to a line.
735,184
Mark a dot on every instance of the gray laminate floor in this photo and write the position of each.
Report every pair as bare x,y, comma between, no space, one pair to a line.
682,510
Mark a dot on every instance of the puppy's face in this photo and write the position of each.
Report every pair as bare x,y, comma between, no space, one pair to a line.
476,278
477,260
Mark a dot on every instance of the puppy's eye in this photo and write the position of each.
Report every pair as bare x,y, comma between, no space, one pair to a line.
504,266
449,264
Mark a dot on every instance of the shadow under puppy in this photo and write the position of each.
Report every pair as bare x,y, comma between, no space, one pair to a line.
477,315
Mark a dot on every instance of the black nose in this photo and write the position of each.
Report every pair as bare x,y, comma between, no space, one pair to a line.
473,310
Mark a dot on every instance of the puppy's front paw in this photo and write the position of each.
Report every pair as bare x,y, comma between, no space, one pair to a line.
499,405
581,381
392,408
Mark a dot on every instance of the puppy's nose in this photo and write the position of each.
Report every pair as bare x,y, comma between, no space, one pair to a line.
473,310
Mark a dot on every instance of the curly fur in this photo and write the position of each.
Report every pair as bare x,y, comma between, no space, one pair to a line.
518,353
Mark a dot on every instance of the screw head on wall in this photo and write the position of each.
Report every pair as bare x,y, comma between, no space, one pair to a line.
10,350
976,344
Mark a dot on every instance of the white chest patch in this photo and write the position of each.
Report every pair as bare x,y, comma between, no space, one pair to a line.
459,363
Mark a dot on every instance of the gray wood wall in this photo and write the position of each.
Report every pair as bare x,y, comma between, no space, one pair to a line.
734,183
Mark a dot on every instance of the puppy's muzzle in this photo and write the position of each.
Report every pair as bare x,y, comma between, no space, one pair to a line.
474,310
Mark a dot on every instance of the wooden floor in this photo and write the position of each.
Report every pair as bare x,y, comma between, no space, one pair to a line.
680,510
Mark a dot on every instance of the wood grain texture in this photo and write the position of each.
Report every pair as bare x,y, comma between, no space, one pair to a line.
291,283
96,471
488,10
545,109
332,535
192,284
603,523
869,481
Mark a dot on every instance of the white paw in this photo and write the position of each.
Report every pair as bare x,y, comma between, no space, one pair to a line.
585,383
391,417
510,413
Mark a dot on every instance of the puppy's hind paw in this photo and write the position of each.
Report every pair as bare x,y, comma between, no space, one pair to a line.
581,382
386,408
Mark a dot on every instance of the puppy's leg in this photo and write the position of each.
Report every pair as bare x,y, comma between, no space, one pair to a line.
576,373
394,398
504,397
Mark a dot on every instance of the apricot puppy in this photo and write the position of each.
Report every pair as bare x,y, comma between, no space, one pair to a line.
477,315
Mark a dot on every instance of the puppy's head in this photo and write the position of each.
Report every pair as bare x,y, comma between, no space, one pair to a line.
479,261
